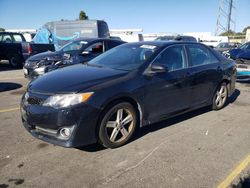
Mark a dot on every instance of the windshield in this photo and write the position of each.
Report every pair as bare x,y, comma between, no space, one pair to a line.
125,57
73,46
245,46
222,45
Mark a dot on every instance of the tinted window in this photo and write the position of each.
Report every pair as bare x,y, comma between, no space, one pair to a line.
17,38
125,57
173,57
73,46
95,48
6,38
245,46
200,55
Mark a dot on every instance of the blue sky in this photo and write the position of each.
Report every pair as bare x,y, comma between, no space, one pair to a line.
174,16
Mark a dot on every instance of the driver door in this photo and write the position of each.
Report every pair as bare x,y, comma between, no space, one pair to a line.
168,92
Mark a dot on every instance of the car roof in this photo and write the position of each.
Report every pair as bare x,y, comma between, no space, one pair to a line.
96,39
164,43
15,33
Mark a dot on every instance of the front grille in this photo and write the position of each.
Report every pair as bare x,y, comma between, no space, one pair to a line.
35,100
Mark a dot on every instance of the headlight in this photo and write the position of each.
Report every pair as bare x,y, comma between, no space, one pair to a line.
66,100
40,70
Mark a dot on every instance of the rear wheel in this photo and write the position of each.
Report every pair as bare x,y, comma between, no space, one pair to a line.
220,97
15,61
117,125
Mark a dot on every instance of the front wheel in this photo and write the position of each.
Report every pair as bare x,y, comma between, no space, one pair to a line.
117,125
220,97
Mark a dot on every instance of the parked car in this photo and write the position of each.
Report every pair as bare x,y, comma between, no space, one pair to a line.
242,57
225,46
79,51
129,86
13,47
177,38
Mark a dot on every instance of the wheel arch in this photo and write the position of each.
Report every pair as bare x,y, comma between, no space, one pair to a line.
126,98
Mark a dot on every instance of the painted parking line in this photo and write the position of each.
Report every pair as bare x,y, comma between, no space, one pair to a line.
11,78
9,110
236,172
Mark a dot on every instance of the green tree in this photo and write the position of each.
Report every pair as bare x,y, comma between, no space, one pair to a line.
83,16
2,29
228,33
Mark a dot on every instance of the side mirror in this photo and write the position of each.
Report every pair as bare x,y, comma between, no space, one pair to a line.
155,69
158,68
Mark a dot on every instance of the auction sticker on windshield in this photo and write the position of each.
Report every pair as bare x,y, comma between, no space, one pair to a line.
151,47
84,42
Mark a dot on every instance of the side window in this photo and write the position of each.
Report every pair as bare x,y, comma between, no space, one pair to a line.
199,55
6,38
95,48
173,57
17,38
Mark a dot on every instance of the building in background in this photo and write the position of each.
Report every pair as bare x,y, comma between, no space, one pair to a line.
128,35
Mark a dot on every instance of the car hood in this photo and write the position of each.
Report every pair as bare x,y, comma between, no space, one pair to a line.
240,54
47,55
74,79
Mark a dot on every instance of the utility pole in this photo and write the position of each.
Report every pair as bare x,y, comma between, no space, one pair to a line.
225,16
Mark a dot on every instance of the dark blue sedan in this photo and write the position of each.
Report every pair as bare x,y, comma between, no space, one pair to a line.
129,86
242,57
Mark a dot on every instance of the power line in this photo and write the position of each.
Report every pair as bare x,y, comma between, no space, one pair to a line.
225,19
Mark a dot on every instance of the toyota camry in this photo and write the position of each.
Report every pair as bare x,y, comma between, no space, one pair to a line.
125,88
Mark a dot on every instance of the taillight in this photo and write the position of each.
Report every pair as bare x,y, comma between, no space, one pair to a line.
29,49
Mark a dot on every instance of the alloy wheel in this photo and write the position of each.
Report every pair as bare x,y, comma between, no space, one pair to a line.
221,96
120,125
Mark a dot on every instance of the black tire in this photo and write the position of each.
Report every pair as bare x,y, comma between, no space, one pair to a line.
220,97
15,61
114,134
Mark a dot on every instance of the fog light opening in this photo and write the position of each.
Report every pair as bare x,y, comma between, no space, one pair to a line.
65,132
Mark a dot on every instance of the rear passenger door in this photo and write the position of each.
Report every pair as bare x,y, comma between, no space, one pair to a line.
207,73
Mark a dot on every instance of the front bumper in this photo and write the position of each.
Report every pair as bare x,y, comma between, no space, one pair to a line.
243,76
45,123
